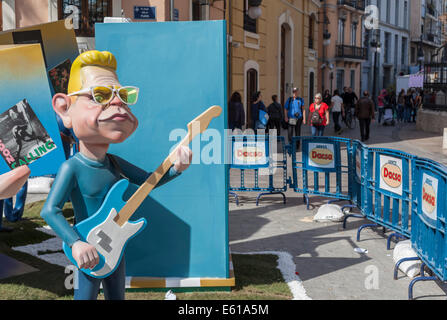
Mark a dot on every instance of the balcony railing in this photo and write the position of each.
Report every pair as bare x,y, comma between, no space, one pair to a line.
357,4
351,52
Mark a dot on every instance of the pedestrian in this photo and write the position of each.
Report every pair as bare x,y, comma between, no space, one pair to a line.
337,108
327,98
274,111
255,107
417,104
408,106
236,113
381,104
364,111
318,116
349,99
400,106
295,116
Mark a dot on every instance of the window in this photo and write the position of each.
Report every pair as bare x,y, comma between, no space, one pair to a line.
406,14
397,11
404,51
1,16
198,11
250,24
388,11
340,79
341,31
354,34
396,45
352,80
90,11
311,32
386,51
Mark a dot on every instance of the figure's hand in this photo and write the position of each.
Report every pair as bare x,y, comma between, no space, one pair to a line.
12,181
286,119
184,158
85,255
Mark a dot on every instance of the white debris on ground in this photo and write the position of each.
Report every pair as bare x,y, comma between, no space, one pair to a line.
53,245
287,268
329,212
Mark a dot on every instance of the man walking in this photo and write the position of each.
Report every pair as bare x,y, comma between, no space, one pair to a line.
364,110
294,115
337,109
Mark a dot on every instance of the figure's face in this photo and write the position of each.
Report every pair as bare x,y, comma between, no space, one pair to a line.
94,123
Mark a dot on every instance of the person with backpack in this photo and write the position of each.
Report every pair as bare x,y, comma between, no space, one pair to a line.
294,116
318,116
257,107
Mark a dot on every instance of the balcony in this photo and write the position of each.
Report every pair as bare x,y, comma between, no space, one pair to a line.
357,4
351,52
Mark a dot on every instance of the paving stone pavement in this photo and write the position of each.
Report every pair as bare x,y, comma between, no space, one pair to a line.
324,252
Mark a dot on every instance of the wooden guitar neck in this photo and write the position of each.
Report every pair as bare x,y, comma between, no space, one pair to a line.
195,127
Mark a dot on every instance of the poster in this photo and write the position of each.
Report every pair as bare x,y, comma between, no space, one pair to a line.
391,174
429,196
23,139
59,76
321,155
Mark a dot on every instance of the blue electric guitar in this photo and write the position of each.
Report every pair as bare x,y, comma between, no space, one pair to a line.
109,229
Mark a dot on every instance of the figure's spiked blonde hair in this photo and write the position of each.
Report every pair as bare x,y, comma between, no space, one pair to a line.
89,58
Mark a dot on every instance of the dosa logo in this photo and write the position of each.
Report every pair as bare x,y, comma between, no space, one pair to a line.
249,154
428,197
391,174
321,155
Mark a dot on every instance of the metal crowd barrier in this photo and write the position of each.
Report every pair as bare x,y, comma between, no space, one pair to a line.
393,189
323,166
428,230
260,168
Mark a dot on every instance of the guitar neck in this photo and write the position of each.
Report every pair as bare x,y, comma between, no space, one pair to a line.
195,127
143,191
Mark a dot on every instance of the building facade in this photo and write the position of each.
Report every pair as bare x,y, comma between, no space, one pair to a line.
276,52
388,46
426,30
340,42
272,53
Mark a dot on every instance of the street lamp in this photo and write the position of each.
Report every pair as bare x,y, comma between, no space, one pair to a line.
375,44
420,56
326,43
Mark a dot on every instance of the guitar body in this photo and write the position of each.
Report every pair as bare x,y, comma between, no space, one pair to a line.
101,231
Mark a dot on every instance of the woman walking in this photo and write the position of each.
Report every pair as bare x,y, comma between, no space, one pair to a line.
236,113
318,116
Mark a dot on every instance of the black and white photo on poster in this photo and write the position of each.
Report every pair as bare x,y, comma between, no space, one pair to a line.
23,139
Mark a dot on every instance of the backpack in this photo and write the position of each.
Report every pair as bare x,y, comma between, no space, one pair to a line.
315,118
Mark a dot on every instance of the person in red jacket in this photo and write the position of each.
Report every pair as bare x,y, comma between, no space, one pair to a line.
318,116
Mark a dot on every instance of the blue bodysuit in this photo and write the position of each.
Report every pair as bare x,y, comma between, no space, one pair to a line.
86,183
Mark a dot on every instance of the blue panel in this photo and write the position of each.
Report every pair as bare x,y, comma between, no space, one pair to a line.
180,68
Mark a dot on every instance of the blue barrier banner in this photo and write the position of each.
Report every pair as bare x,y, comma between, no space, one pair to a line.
332,169
260,162
250,152
321,156
389,191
